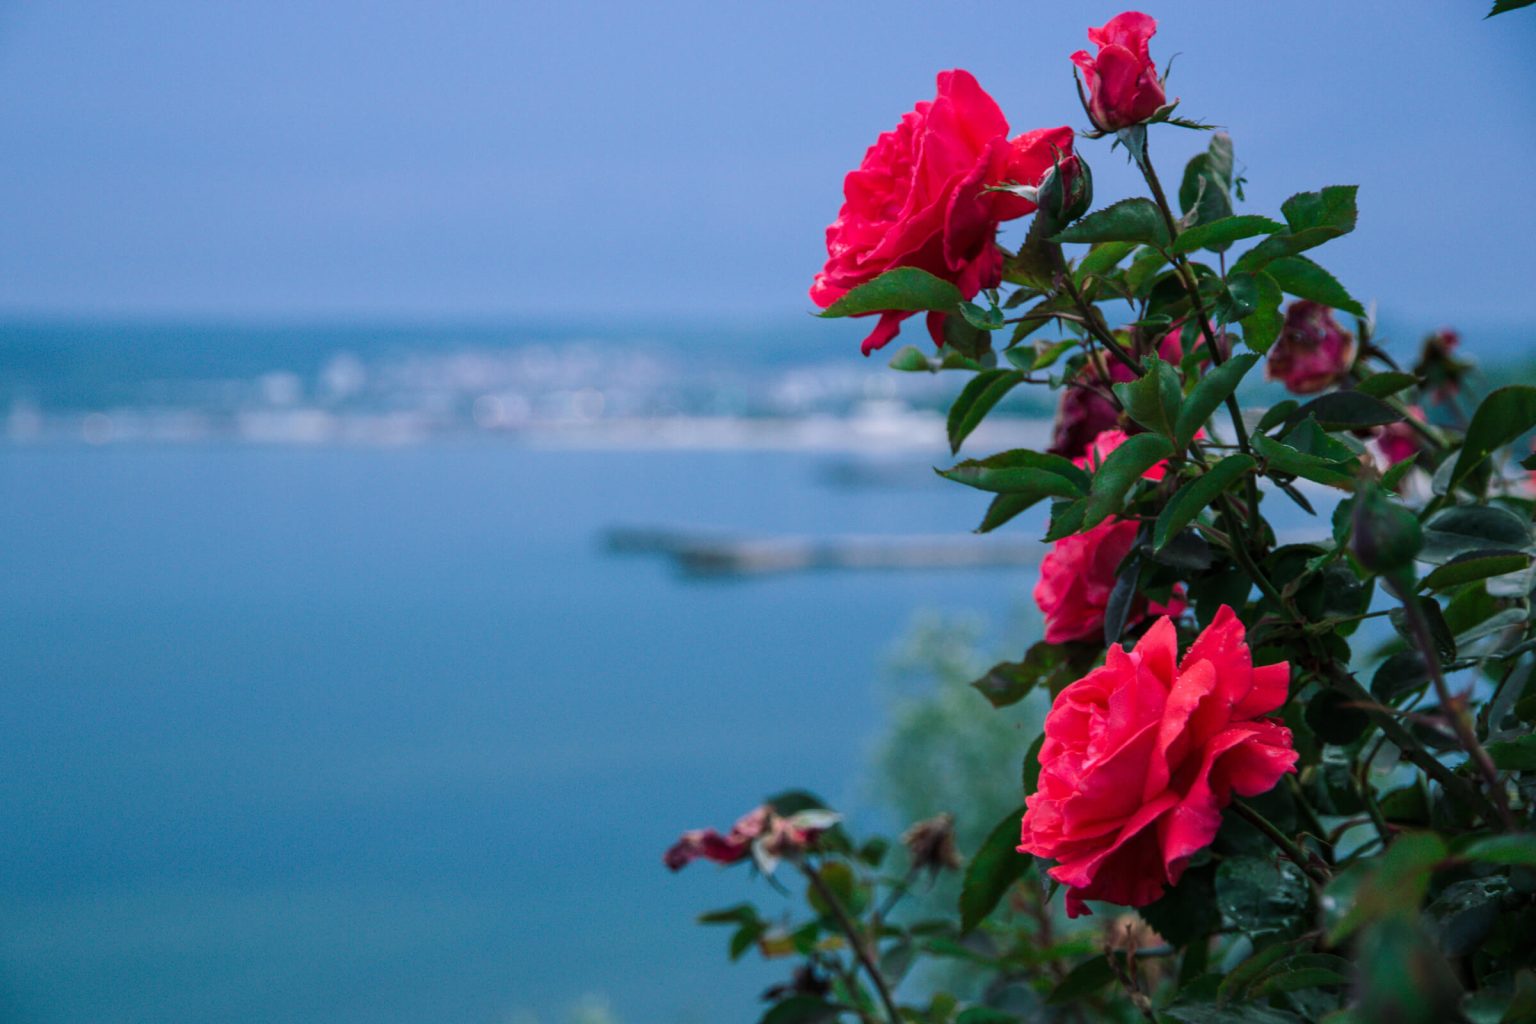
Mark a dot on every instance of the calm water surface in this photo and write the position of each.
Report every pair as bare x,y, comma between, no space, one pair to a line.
385,735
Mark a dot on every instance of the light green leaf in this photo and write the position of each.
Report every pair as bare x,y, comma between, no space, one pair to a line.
1262,326
1153,399
1022,472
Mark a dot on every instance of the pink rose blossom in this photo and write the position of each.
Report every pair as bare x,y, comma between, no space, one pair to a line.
1122,83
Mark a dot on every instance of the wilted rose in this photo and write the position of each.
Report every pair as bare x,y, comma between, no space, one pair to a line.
1313,352
1141,756
920,199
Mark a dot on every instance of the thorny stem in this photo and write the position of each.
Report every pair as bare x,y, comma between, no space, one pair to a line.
855,940
1280,839
1105,338
1418,625
1186,278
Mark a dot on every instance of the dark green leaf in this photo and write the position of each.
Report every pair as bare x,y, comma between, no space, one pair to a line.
1277,414
1005,683
1037,474
1153,399
1505,6
1218,234
1288,460
1237,981
1119,472
980,394
1031,772
985,1015
992,871
905,289
1381,385
1261,895
1464,528
1347,410
1186,504
1503,416
1332,209
1130,220
911,359
1210,1013
1208,395
1476,565
1299,276
1084,979
741,913
1401,674
1004,507
1240,298
802,1010
1117,610
1335,719
1516,755
1186,912
1439,630
1395,885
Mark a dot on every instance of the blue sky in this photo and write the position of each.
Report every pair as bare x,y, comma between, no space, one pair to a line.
352,158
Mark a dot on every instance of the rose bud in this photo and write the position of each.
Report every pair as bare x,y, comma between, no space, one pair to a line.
1122,82
1141,756
1385,536
931,845
1312,352
921,198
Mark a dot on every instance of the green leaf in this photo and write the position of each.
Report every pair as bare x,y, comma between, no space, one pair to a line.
905,289
1299,276
1346,410
1031,771
1334,718
1277,414
1218,234
1205,190
741,913
983,318
802,1010
1332,209
1262,326
1208,395
1102,257
992,871
1505,6
1004,507
1476,565
1120,471
1464,528
1185,913
1514,848
1260,894
1186,504
844,885
911,359
1396,885
1129,220
980,394
1037,474
985,1015
1502,417
1382,385
1237,981
1288,460
1084,979
1005,683
1398,676
1516,755
1153,399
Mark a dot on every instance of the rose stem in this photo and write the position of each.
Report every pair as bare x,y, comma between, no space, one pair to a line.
855,940
1280,839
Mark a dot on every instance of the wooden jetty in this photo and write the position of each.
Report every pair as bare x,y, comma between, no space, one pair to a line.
700,553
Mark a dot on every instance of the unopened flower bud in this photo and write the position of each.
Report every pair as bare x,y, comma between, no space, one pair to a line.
1386,536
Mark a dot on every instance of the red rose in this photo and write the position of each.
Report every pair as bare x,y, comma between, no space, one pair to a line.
1123,87
919,199
1141,756
1312,352
1079,572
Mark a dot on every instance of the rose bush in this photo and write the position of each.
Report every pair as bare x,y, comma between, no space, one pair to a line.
1322,811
